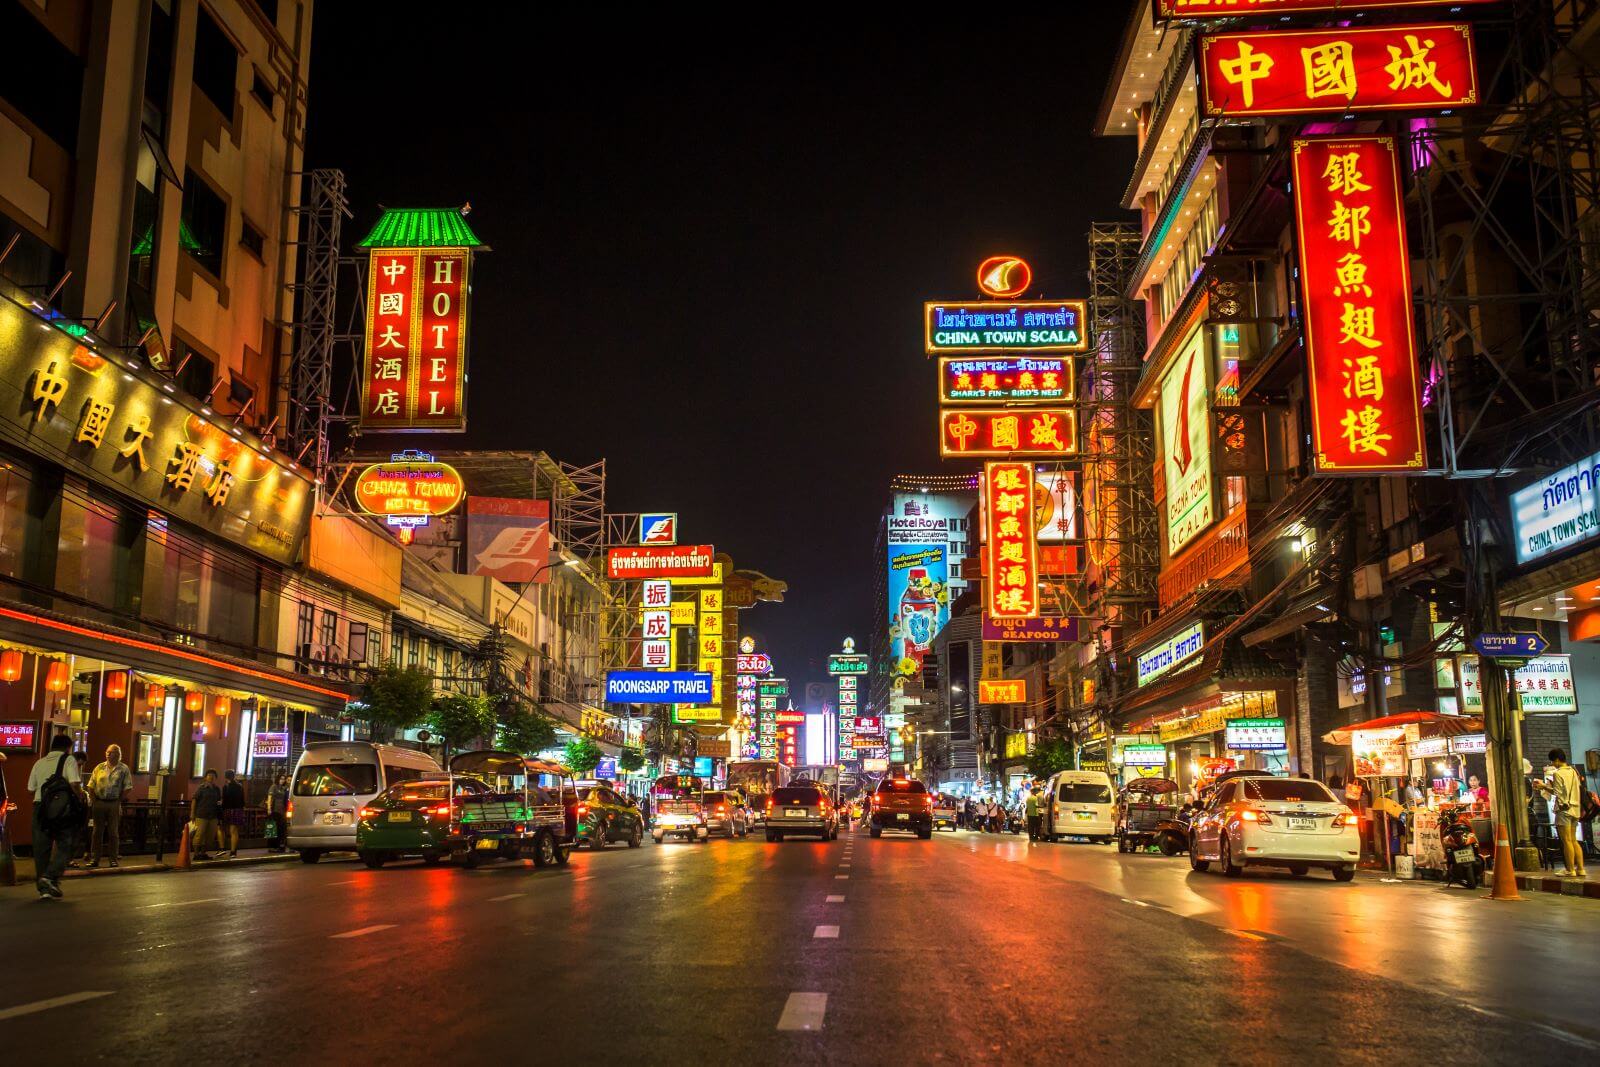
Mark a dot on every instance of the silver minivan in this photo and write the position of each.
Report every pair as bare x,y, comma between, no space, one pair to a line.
333,780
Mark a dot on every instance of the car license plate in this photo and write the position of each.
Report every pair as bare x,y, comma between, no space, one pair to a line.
399,816
333,818
1465,855
1084,816
1298,823
794,813
486,843
903,817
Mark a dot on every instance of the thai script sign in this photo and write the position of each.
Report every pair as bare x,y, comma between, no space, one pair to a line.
1037,629
999,379
679,561
1005,326
1558,512
1173,651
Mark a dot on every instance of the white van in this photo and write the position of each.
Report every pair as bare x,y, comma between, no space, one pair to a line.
331,783
1079,804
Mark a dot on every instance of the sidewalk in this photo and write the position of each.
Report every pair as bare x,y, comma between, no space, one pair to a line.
148,865
1546,882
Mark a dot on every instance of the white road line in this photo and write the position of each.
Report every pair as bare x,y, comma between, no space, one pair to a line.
365,930
803,1011
78,998
1246,934
179,903
826,931
840,877
348,881
508,896
835,899
1138,903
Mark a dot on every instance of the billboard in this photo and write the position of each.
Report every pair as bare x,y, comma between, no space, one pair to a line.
1427,67
415,375
1186,444
658,687
1055,505
1003,691
658,528
1355,278
660,561
1002,379
508,539
409,488
917,534
1036,629
1013,555
1557,512
1170,652
1031,326
1008,433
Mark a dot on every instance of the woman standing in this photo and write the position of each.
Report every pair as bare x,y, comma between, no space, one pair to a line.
278,814
233,805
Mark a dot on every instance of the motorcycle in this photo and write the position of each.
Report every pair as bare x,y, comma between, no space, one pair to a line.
1171,836
1463,859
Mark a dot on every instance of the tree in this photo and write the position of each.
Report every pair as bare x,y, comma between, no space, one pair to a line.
1049,755
631,760
397,698
524,731
582,756
458,719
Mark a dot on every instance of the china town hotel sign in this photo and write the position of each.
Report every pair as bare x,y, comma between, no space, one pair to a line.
113,425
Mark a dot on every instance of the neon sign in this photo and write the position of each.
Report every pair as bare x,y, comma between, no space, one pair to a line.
1004,277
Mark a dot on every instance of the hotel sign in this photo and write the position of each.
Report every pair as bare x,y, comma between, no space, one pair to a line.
415,375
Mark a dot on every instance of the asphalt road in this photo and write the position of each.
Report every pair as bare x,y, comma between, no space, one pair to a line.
966,948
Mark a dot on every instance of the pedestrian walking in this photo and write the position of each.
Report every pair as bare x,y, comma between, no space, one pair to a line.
1030,807
1566,790
205,811
234,802
277,805
59,810
996,817
108,787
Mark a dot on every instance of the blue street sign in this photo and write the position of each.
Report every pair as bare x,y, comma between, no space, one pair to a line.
658,687
1514,645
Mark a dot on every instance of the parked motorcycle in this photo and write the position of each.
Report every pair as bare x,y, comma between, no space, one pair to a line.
1463,860
1171,836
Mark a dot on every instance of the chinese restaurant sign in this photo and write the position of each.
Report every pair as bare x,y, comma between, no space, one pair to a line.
416,348
1008,432
1037,629
999,379
1366,404
667,561
1005,326
1004,691
1228,9
1544,685
121,431
409,489
1013,586
1304,72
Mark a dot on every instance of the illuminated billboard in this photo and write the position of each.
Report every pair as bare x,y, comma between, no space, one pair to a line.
415,374
918,533
508,539
1002,379
1008,433
1185,430
1005,326
1013,555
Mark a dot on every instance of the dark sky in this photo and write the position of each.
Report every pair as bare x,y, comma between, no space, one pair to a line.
712,239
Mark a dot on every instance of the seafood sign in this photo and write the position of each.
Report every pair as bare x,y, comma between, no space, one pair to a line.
1557,512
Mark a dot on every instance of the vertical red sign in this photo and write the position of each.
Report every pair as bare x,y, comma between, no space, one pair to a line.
444,307
387,387
1013,591
415,377
1355,277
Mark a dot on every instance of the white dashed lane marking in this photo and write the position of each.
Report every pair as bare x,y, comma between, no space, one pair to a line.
365,930
508,896
835,899
840,877
826,931
803,1011
78,998
180,903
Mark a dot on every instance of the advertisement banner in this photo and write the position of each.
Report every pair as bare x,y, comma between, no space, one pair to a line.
1003,379
660,561
1144,755
1544,685
1171,652
1055,505
1379,753
508,539
1423,67
1266,735
1004,691
1013,555
1031,326
415,377
269,746
656,655
1008,433
409,488
658,528
1040,629
1355,275
918,532
1185,430
658,687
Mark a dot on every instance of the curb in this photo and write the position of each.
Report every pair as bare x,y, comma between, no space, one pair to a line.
1570,887
25,873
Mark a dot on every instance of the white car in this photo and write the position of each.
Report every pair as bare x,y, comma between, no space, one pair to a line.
1269,821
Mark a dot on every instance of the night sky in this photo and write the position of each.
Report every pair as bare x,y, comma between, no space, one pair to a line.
711,243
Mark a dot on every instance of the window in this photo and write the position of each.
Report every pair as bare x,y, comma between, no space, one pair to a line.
433,658
195,372
797,795
1288,789
41,77
216,64
95,552
413,651
357,652
1083,793
336,780
393,775
269,8
144,754
261,91
901,785
204,225
305,624
158,68
16,485
251,239
330,629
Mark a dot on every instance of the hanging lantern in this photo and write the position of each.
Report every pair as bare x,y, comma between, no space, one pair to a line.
116,685
220,705
56,679
10,665
194,700
155,695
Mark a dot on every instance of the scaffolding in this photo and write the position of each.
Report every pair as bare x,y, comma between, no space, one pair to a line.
322,213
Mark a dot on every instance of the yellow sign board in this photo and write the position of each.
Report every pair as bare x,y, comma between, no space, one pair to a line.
683,613
711,624
711,600
719,573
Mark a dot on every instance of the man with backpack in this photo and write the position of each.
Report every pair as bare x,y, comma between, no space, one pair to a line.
59,805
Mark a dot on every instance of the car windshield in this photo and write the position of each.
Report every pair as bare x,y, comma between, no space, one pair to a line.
801,795
901,785
335,780
410,794
715,798
1083,793
1287,789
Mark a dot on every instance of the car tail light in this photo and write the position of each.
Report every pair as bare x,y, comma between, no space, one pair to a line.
371,813
583,809
722,809
1349,818
1252,815
288,812
769,803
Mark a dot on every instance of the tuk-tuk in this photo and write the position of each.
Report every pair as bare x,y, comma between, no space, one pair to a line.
1142,806
944,812
524,814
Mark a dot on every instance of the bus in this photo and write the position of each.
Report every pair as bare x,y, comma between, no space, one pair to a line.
756,780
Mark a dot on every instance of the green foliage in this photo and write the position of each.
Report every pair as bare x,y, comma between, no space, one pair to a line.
1049,755
459,719
631,760
397,697
582,756
523,731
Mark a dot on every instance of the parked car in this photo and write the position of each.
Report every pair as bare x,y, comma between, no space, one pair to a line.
801,809
1078,804
901,804
604,817
724,814
1263,820
411,819
334,780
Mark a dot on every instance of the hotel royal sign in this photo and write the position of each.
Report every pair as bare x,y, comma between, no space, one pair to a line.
414,378
1013,556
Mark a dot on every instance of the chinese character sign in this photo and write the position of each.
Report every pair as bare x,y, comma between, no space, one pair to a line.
1423,67
415,375
1008,432
1013,587
1366,404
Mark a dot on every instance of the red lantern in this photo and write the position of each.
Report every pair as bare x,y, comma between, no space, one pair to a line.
194,700
55,679
116,685
155,695
10,665
220,705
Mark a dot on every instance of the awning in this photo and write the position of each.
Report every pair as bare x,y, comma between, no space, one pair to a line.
1429,723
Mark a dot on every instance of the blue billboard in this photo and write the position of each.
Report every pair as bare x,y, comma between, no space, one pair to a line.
919,532
658,687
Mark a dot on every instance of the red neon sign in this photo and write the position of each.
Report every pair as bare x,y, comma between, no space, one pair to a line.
660,561
1011,552
414,378
1422,67
1004,277
1366,404
1008,432
1229,9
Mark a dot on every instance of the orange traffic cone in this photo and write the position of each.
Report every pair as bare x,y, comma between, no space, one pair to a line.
183,863
1504,886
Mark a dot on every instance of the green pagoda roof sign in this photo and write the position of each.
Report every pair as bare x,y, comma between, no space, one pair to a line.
421,227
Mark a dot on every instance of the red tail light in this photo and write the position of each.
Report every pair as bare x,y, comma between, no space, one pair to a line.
583,809
769,803
371,813
722,809
440,810
1349,818
289,811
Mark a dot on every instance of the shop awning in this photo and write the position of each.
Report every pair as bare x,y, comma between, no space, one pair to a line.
1430,724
